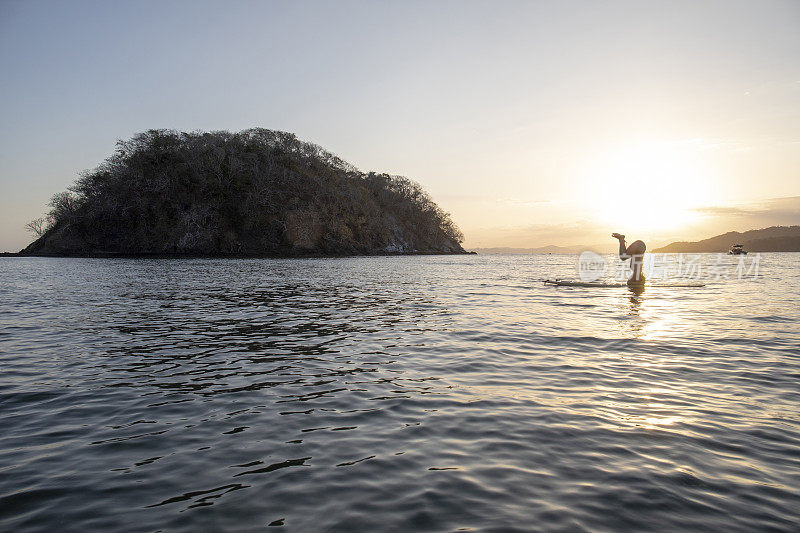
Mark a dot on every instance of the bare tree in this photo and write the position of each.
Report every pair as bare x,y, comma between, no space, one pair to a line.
37,226
63,205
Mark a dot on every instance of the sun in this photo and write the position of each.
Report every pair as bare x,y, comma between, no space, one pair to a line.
647,187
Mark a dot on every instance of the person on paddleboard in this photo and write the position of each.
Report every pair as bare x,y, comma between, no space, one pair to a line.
634,252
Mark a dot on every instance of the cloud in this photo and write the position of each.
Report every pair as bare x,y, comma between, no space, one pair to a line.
722,211
775,211
703,143
717,219
535,235
517,202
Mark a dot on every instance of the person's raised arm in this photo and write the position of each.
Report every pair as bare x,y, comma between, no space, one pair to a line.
623,251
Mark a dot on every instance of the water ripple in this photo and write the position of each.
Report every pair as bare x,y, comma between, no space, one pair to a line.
399,393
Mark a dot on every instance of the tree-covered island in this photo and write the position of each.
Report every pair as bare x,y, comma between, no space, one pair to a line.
257,192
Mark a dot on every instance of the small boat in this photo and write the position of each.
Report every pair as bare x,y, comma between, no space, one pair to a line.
737,249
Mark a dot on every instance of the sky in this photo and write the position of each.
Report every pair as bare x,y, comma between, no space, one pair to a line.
532,123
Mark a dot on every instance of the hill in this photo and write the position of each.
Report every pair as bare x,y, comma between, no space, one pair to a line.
549,249
256,192
772,239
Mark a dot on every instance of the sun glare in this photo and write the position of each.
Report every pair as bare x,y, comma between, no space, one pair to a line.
648,186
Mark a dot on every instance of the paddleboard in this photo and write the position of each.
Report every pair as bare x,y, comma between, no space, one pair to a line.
565,283
597,284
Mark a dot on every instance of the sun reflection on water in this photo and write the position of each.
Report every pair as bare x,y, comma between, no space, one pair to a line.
652,315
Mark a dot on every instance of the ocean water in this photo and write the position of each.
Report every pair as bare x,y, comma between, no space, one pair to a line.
434,393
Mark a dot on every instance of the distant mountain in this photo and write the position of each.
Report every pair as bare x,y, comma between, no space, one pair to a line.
550,249
256,192
772,239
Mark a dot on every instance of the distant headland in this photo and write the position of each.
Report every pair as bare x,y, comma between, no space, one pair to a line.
772,239
257,192
550,249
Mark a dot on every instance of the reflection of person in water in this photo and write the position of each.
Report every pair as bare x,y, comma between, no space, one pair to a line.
634,252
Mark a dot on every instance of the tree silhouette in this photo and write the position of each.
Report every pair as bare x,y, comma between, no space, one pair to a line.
258,192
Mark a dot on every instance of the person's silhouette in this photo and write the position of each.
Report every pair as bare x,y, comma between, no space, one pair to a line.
634,252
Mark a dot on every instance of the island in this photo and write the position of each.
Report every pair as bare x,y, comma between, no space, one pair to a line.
257,192
772,239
